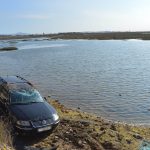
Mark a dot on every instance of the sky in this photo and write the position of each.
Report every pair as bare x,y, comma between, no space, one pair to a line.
53,16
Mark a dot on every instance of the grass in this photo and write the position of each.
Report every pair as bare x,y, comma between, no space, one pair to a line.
6,140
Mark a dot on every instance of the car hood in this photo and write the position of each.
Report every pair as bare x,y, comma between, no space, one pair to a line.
32,111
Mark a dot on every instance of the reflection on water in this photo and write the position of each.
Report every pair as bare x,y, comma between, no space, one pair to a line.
108,78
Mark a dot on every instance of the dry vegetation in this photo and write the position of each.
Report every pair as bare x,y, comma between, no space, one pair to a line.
6,141
103,35
84,35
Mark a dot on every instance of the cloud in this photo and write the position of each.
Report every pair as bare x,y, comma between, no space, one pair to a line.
34,16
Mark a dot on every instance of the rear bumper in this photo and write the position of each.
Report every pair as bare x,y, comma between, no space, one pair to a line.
40,129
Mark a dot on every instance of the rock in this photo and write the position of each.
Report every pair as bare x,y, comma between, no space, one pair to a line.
90,131
56,137
112,133
70,130
111,146
102,128
66,139
53,147
80,143
120,137
8,48
128,141
54,141
137,136
85,123
107,145
113,127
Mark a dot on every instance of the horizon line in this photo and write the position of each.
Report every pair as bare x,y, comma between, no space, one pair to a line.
45,33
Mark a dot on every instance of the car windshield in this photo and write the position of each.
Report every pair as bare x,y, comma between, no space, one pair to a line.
25,96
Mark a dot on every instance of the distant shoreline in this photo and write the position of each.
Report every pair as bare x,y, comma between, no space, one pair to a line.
84,35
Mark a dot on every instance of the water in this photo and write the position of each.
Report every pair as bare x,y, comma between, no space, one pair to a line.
109,78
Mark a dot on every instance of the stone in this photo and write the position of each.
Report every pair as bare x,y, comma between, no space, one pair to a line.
137,136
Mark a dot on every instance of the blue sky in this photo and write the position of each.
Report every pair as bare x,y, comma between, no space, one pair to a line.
52,16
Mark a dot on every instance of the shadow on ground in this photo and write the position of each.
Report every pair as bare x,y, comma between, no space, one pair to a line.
24,142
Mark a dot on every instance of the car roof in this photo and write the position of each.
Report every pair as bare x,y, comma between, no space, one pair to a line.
15,82
13,79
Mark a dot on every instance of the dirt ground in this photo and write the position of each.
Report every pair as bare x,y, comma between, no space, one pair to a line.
82,131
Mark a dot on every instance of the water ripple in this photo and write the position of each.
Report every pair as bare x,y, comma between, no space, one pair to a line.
108,78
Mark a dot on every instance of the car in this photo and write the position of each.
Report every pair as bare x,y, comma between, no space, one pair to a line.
26,108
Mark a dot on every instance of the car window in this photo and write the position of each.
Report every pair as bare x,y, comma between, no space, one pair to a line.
24,96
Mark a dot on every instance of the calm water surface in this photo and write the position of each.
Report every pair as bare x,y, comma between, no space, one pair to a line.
108,78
